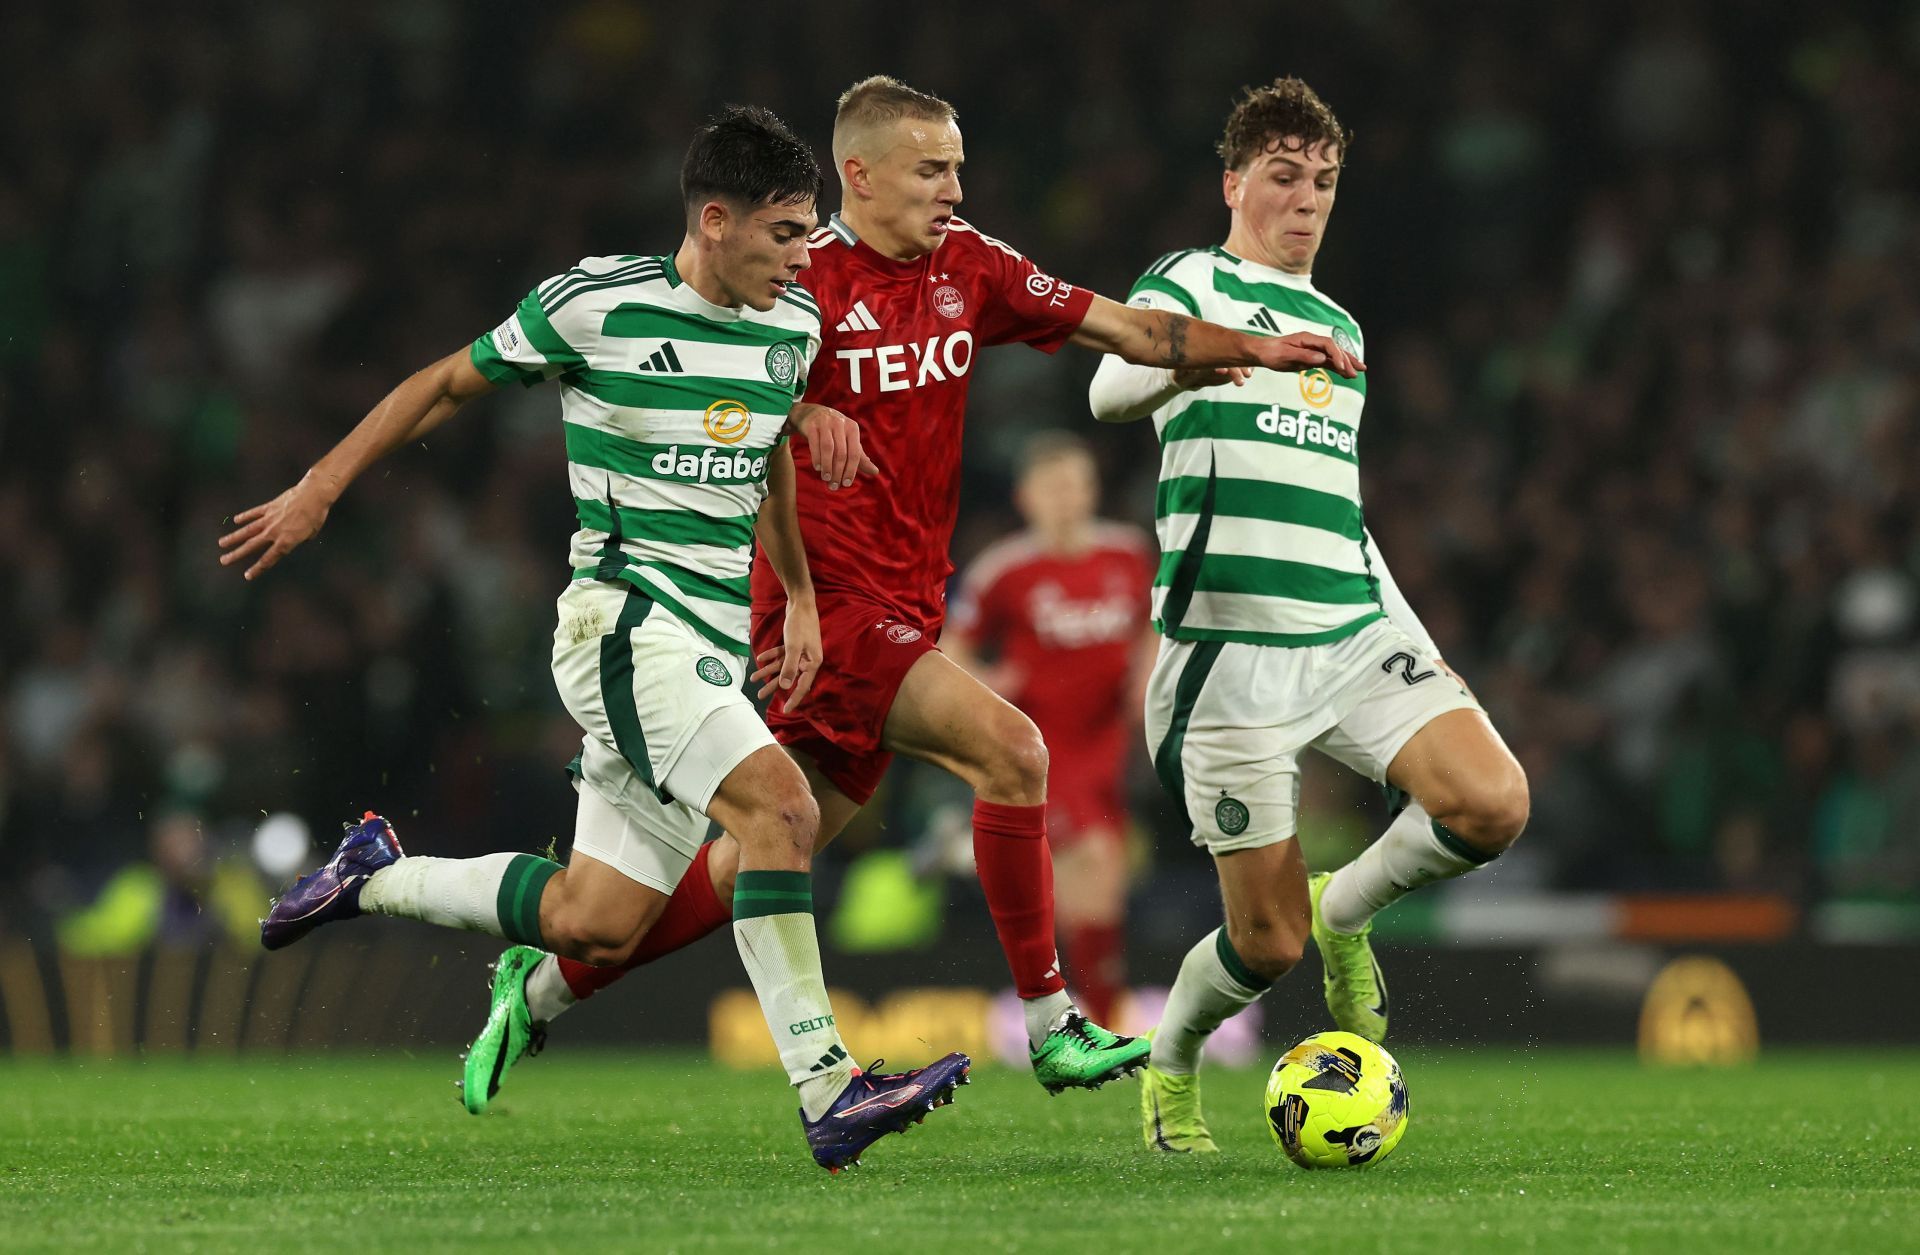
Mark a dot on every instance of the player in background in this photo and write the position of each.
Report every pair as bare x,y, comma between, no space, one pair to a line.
677,375
1282,629
908,294
1054,619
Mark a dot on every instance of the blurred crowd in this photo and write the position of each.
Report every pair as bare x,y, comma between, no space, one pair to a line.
1640,284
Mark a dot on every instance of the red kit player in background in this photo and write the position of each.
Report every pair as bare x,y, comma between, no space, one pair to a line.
1055,619
908,294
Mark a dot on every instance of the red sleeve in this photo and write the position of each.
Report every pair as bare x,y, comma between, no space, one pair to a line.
1028,305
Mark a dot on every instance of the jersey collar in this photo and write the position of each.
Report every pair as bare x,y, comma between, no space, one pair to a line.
1267,274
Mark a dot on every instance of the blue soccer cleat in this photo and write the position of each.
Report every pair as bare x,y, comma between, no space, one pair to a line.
874,1105
333,892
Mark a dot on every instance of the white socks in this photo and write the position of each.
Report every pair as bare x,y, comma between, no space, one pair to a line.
1213,985
1412,852
451,892
547,992
773,927
1043,1013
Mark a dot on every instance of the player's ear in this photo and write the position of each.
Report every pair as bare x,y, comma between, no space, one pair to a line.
714,220
853,173
1230,188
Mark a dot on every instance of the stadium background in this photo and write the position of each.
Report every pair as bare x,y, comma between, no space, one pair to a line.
1640,292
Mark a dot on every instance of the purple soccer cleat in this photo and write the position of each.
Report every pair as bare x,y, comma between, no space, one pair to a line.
333,892
874,1105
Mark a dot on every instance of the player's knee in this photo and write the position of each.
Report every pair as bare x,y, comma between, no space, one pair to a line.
1492,813
785,825
1017,765
1271,947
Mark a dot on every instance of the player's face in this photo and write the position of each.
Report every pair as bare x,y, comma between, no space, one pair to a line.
1058,494
1281,201
762,250
915,180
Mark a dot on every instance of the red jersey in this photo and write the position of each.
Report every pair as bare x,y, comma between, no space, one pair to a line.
898,346
1067,626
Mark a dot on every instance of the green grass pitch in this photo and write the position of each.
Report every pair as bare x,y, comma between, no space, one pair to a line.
1507,1150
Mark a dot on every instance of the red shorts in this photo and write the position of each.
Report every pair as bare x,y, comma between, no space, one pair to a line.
868,652
1085,796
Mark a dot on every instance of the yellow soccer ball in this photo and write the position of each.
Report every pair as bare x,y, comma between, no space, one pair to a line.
1336,1100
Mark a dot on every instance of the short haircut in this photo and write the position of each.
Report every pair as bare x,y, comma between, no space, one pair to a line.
879,100
1285,114
1051,445
748,156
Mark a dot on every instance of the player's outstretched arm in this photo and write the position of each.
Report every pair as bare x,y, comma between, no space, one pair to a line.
790,666
426,399
1158,337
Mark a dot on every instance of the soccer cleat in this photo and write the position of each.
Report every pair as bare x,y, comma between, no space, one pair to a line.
1078,1054
874,1105
333,892
1356,988
510,1033
1170,1118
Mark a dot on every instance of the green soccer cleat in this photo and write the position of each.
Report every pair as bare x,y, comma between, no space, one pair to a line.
1170,1118
1356,989
509,1034
1079,1054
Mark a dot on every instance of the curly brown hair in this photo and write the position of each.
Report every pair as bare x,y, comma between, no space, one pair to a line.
1285,114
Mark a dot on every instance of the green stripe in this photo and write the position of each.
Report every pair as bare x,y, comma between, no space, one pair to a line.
497,369
670,527
1454,845
683,392
517,904
802,298
732,591
589,446
628,573
1166,759
760,893
642,273
1259,499
541,335
552,286
616,689
1169,260
1166,287
1184,573
1262,577
1281,640
636,321
1276,296
1235,965
1240,420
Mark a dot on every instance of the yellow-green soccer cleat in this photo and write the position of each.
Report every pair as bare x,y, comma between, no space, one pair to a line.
510,1032
1079,1054
1170,1118
1356,988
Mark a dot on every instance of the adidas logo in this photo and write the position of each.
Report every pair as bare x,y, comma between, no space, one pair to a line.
1263,320
859,318
665,362
829,1059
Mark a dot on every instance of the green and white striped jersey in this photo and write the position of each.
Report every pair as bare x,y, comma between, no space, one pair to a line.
672,407
1258,508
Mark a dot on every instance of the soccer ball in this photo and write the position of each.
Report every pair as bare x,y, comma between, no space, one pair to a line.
1336,1100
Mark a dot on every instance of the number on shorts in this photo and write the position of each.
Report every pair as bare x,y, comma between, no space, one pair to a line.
1405,664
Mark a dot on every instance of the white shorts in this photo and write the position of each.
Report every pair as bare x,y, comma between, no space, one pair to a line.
1226,722
665,721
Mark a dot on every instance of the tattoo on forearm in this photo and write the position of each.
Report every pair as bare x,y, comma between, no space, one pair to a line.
1177,339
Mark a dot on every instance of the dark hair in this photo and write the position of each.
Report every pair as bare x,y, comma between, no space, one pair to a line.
1285,113
748,156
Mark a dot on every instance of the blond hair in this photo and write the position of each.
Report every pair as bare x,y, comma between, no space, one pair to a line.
876,101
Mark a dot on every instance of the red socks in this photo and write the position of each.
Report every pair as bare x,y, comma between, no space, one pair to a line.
1098,963
692,912
1016,873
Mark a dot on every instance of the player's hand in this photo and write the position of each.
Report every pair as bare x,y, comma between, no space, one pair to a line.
275,528
790,666
1304,349
1192,377
834,441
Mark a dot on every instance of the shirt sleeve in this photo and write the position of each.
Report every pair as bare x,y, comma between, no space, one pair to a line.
976,613
1394,602
1121,391
1028,305
529,347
